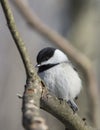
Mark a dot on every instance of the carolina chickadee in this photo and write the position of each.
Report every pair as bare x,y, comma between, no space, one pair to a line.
57,72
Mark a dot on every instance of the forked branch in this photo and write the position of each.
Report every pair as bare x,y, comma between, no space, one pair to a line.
35,90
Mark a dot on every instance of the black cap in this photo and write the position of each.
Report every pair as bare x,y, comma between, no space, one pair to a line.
45,54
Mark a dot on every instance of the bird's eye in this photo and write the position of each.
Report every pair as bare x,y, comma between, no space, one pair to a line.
46,58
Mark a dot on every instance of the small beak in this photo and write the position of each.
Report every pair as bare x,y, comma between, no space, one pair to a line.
38,65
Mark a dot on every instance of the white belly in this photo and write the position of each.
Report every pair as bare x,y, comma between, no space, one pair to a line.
63,81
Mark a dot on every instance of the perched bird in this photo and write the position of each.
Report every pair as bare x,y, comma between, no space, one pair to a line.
56,70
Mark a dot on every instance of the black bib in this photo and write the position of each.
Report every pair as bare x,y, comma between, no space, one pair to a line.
46,67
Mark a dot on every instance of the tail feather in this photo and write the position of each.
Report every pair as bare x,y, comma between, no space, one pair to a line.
72,105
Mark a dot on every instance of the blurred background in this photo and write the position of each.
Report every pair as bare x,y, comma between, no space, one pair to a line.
76,20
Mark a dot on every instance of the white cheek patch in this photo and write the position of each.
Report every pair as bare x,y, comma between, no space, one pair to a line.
58,57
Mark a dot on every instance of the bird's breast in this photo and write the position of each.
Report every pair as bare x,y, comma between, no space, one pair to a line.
62,80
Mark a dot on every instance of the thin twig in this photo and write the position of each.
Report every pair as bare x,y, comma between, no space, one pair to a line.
78,57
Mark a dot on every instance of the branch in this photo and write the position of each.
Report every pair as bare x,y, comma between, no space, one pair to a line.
77,56
33,88
63,112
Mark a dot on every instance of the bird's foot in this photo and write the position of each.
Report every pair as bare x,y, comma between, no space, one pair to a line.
76,97
61,100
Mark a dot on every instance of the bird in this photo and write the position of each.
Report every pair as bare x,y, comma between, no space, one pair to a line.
58,73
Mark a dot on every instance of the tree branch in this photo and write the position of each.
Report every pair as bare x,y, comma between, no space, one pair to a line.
34,89
78,57
63,112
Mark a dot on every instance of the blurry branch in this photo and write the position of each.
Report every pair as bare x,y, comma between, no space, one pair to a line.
77,56
35,90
